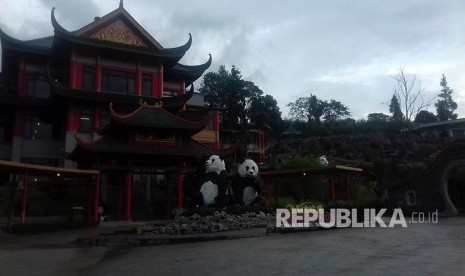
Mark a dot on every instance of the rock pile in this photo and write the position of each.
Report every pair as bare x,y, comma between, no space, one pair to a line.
216,222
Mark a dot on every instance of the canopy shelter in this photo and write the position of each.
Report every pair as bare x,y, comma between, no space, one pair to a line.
331,171
28,170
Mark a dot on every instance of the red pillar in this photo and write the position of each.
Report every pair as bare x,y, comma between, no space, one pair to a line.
98,75
77,75
262,145
72,73
72,121
181,170
216,128
128,194
18,128
333,190
96,120
96,197
138,81
22,79
160,82
24,199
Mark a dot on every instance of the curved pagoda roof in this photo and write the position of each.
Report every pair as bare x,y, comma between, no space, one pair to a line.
113,145
116,32
39,45
119,31
155,117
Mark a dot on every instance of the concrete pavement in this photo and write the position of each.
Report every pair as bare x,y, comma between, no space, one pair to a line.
431,249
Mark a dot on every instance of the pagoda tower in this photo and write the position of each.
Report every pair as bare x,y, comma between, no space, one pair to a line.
108,96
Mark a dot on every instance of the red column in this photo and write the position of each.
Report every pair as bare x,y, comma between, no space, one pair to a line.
24,199
98,75
128,194
96,120
72,121
138,81
181,170
160,81
262,144
183,88
155,85
72,73
22,80
216,128
77,75
96,197
18,128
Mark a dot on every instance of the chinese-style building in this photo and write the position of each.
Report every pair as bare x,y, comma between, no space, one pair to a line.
108,97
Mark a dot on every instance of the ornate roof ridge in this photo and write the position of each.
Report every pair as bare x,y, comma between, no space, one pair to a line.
158,108
181,49
31,44
194,68
114,145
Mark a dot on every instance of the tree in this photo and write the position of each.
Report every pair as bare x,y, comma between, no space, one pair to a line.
425,117
243,101
377,117
334,110
228,90
410,95
263,111
312,109
394,109
445,106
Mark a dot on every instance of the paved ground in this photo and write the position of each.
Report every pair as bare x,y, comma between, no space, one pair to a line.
434,249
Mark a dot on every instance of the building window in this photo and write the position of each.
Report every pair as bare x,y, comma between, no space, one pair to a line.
146,85
118,81
170,93
410,198
33,128
85,121
88,78
37,86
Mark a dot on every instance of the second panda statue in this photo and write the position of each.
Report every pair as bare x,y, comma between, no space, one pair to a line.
246,187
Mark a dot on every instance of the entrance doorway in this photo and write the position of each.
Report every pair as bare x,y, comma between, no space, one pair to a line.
456,187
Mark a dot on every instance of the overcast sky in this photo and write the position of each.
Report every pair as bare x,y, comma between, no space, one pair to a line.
343,50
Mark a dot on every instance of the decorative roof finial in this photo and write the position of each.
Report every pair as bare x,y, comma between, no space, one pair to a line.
120,3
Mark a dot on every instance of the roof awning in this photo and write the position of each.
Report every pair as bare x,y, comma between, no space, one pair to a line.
40,170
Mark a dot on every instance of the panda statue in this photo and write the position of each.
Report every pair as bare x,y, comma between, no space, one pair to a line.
323,161
214,190
246,187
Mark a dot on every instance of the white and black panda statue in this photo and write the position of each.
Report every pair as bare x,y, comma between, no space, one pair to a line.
323,161
214,187
246,188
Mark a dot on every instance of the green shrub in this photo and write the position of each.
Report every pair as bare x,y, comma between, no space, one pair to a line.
311,204
365,195
300,162
283,202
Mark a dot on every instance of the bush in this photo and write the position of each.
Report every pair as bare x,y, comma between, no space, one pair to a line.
283,202
365,195
312,204
300,162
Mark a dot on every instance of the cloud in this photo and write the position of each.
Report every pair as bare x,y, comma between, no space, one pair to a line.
338,49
